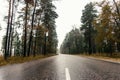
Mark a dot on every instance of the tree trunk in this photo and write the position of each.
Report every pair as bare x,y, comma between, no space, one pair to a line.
25,33
34,51
90,45
7,32
10,33
32,25
45,44
11,43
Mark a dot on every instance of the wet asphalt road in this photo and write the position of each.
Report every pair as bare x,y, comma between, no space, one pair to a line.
53,68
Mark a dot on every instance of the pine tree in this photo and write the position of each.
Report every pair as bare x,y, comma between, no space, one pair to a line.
88,15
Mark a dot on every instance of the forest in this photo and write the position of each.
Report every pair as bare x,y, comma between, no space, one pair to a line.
31,28
35,45
99,31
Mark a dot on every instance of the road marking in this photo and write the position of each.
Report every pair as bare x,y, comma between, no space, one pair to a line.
67,74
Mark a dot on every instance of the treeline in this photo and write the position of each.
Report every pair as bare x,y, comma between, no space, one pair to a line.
99,32
73,42
30,29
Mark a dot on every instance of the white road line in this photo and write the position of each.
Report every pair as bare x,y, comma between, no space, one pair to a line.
67,74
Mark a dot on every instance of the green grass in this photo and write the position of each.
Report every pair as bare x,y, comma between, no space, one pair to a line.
13,60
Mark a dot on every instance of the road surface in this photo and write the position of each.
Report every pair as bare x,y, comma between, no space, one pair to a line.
62,67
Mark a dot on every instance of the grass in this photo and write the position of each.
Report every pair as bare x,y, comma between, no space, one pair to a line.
102,56
14,60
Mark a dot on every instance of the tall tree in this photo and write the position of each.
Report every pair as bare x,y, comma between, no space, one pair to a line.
7,32
27,2
116,16
88,15
11,29
107,28
49,22
35,17
32,25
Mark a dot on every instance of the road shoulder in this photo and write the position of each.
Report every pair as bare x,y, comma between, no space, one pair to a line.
107,59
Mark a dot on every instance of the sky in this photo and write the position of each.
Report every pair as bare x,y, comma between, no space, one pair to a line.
69,11
3,12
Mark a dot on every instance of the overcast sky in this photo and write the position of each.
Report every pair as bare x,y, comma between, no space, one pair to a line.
69,12
3,12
